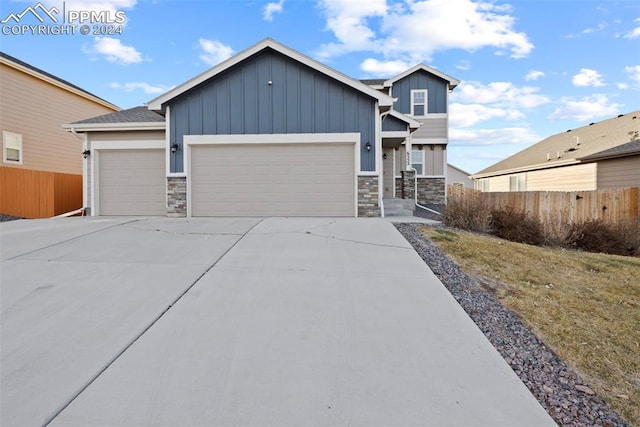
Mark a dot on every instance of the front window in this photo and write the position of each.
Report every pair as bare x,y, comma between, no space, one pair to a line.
11,147
419,102
417,162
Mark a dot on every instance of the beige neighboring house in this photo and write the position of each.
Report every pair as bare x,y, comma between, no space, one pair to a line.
456,176
602,155
35,149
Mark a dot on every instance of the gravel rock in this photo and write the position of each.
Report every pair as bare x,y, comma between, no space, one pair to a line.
5,218
550,380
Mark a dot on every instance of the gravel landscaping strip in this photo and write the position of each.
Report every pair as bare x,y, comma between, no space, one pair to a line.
558,389
5,218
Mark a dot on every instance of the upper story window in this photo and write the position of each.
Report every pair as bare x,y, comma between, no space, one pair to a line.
417,161
419,102
11,147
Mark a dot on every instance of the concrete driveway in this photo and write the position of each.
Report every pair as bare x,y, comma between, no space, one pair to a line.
280,321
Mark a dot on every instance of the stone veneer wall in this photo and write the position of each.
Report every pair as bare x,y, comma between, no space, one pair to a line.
176,196
398,182
432,191
368,196
408,184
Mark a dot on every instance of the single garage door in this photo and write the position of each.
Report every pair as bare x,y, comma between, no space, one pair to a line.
273,180
132,182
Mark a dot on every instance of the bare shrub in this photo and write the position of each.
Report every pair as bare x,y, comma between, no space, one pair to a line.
467,211
596,235
516,226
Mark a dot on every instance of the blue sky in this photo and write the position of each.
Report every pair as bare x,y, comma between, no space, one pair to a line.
529,68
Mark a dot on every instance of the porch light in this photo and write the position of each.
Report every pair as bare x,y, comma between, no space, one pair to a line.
174,147
368,146
86,153
384,156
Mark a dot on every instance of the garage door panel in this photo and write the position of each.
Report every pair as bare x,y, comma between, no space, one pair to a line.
273,180
132,182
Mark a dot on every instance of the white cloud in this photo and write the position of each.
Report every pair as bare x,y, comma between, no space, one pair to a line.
463,65
114,51
587,77
534,75
499,93
483,137
417,29
635,33
601,26
585,109
214,52
146,87
383,68
272,8
622,86
634,73
466,115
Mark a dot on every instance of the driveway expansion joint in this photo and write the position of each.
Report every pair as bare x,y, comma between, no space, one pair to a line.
66,404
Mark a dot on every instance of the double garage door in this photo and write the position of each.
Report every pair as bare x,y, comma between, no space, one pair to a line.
273,180
235,180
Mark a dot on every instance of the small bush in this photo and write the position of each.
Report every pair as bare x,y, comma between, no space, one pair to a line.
516,226
466,212
599,236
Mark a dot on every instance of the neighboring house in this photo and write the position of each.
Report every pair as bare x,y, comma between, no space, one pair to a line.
598,156
272,132
456,176
41,166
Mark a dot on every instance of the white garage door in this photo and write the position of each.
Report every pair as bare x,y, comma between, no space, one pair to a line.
132,182
273,180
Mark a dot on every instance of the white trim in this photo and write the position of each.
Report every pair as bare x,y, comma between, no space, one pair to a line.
431,176
429,141
85,172
273,138
282,139
378,151
157,103
425,104
435,116
413,124
453,82
98,127
97,147
20,147
394,173
167,138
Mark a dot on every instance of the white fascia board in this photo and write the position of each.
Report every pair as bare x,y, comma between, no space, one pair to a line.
105,127
453,82
156,103
394,134
285,138
413,124
128,145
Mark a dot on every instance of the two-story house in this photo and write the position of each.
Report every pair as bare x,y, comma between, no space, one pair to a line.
272,132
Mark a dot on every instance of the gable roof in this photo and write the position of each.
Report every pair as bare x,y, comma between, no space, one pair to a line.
157,103
17,64
570,147
453,82
413,124
137,118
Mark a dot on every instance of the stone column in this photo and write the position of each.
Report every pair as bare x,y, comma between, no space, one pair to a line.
368,196
176,196
408,184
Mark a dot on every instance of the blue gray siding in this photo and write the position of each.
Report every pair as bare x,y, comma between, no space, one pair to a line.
436,86
299,100
393,124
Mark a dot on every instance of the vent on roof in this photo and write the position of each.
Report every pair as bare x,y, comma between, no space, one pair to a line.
620,115
571,149
568,130
591,124
558,154
577,140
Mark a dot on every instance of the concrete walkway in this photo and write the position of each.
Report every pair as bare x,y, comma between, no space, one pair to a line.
280,321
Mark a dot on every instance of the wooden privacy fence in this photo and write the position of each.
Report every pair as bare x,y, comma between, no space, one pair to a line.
568,207
36,194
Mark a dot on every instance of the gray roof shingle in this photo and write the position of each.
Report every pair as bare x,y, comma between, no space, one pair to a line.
373,82
628,149
133,115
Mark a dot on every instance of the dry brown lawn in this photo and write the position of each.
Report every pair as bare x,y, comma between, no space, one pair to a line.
585,306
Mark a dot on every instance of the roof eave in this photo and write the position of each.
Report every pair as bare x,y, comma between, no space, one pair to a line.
105,127
157,103
58,83
453,82
526,169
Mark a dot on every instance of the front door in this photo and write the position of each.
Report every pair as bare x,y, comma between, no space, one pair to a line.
388,173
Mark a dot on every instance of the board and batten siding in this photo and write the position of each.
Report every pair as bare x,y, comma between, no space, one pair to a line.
298,99
436,87
393,124
619,173
37,110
